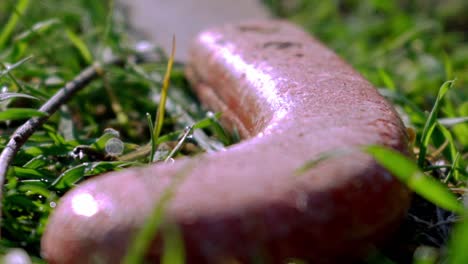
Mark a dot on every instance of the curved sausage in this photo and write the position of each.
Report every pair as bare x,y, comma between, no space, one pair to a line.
291,99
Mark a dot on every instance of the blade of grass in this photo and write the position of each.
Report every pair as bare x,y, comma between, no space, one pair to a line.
108,25
334,153
174,252
219,130
453,169
20,7
458,243
6,96
387,80
441,135
80,45
14,66
147,233
37,29
431,123
408,172
20,113
205,142
122,117
152,139
69,177
8,70
184,118
187,132
162,103
448,66
13,79
453,121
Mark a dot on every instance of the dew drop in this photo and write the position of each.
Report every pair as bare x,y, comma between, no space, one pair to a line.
210,114
114,147
144,46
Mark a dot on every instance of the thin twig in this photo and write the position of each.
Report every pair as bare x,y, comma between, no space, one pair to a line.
22,134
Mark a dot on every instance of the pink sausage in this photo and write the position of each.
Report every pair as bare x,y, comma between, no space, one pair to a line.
291,99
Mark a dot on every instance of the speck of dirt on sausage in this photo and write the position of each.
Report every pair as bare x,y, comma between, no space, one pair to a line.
281,44
257,29
221,41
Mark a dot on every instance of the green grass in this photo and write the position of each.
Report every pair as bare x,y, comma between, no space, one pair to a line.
48,44
414,52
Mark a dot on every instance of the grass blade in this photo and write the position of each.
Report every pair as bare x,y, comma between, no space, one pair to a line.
407,172
20,113
218,130
6,96
387,80
21,6
37,29
14,66
441,137
147,233
174,151
162,103
174,252
152,139
80,45
334,153
453,121
453,169
431,123
69,177
459,243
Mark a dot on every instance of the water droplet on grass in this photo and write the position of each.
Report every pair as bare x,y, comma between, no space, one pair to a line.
114,147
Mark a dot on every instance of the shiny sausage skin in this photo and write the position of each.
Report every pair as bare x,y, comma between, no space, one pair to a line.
291,99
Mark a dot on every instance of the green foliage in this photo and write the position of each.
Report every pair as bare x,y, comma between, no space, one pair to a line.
174,251
459,243
7,30
43,47
408,172
19,113
80,45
